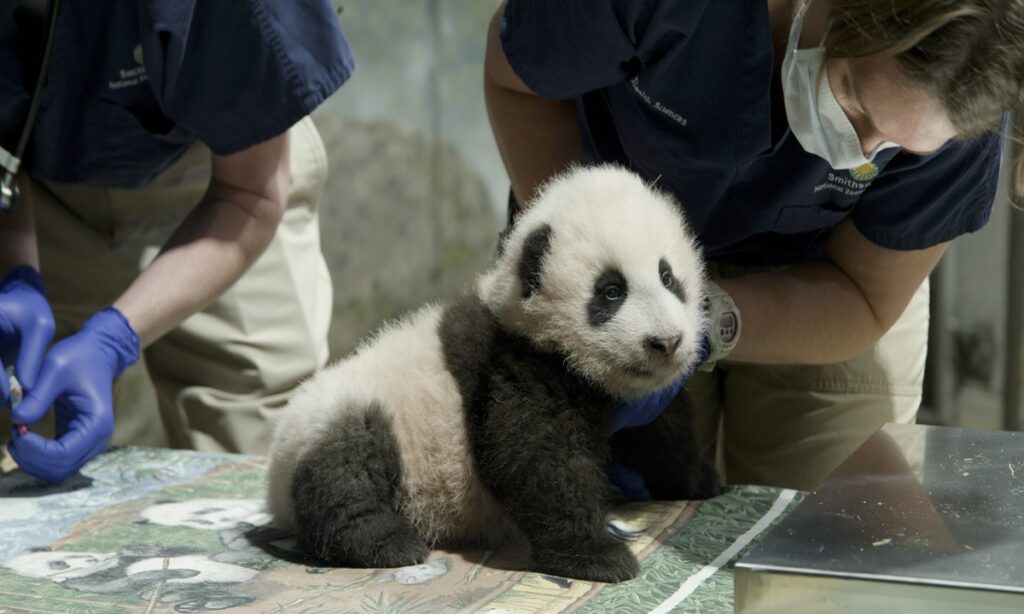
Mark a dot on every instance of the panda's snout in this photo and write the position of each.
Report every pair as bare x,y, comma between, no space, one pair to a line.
663,347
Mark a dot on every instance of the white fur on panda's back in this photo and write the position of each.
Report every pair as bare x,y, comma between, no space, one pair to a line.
403,371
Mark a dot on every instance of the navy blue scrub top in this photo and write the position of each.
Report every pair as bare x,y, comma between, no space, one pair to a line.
681,92
133,83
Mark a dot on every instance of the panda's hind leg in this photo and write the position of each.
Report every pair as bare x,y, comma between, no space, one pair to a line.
344,493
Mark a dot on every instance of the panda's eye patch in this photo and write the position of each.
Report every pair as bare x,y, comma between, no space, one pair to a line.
611,285
669,280
610,292
535,248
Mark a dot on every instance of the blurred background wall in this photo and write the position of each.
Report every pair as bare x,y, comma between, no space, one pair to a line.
976,344
413,201
416,195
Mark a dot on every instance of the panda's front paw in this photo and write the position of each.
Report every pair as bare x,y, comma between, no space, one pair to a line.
606,561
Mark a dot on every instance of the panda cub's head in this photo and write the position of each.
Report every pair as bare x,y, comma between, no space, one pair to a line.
604,269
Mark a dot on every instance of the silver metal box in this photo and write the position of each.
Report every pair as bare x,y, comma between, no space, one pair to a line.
918,519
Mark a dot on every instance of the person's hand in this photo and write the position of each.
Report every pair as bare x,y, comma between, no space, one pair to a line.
77,377
629,481
646,409
26,327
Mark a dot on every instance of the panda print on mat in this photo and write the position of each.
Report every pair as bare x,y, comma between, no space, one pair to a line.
488,418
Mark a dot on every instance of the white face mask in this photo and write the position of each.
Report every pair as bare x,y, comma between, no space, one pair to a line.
815,117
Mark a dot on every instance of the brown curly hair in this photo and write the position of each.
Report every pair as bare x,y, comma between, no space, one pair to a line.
969,54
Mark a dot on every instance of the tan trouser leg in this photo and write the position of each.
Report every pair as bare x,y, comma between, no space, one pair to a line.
81,272
222,374
792,425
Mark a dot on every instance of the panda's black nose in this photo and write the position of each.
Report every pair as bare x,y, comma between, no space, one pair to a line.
664,346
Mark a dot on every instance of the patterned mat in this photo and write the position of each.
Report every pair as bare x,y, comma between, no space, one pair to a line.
154,530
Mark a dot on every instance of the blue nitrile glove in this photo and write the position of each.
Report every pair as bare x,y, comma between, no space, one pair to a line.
645,409
639,412
78,379
629,481
26,327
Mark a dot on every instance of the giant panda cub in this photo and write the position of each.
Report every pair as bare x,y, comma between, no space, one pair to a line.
488,418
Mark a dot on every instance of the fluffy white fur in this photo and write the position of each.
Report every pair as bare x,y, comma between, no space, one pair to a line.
600,217
604,216
403,369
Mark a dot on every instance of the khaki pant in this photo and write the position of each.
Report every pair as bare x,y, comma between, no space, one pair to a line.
221,376
790,426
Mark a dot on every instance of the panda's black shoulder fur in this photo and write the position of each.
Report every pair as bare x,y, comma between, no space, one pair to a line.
535,428
496,369
533,405
467,332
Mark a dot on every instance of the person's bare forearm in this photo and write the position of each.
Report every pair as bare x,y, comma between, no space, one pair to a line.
536,137
810,313
830,310
215,244
18,232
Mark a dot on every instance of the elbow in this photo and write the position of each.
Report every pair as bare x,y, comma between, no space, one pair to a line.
884,311
249,219
868,339
270,213
263,207
266,216
262,213
875,322
260,224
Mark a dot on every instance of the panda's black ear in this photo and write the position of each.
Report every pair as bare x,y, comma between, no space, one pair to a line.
535,247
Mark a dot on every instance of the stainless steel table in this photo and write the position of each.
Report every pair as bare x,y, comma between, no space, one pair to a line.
918,519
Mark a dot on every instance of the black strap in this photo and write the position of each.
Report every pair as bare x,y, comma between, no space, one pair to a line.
33,108
29,9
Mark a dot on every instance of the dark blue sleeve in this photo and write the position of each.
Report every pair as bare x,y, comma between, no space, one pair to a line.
920,201
564,48
238,73
14,95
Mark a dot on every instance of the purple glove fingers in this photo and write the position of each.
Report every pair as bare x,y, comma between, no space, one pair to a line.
5,387
77,377
26,323
40,397
54,460
31,353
